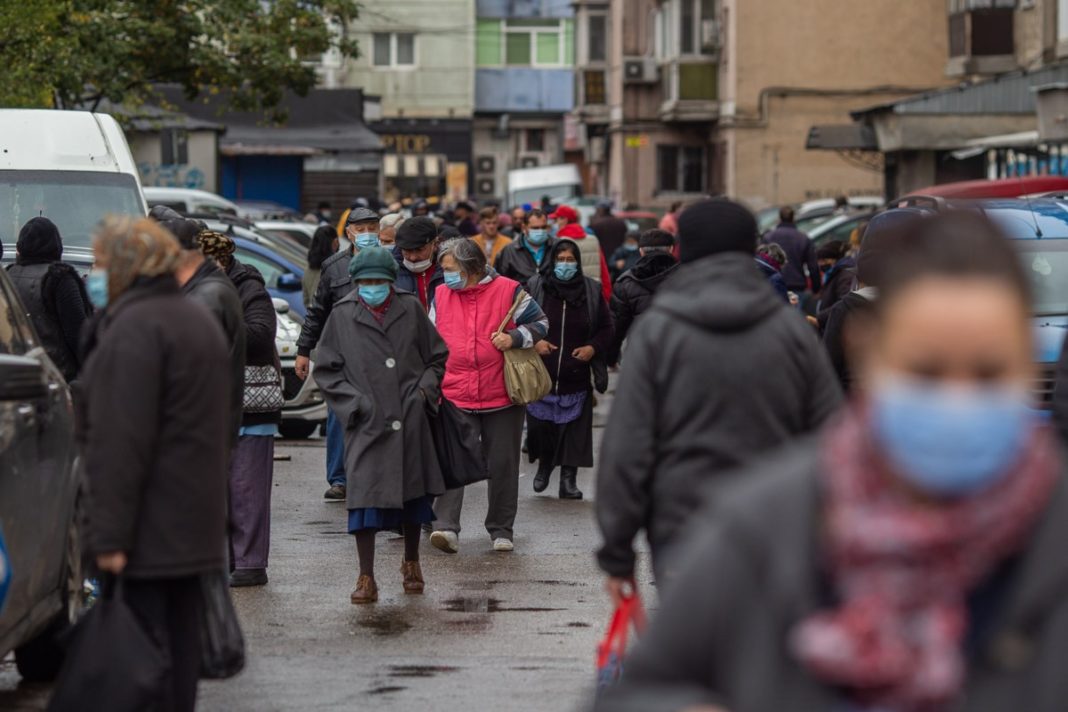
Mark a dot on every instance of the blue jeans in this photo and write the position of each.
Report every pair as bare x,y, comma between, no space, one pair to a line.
335,450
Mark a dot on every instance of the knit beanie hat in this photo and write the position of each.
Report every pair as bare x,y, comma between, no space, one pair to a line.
39,242
710,227
373,263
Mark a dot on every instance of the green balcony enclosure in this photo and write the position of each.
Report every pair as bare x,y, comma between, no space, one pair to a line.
698,82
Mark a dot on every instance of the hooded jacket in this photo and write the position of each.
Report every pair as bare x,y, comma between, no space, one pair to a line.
718,371
633,293
261,324
592,254
210,286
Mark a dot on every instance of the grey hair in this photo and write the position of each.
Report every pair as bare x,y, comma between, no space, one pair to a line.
775,251
468,255
394,220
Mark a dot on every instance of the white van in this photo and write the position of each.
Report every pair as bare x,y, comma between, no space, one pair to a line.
529,185
72,167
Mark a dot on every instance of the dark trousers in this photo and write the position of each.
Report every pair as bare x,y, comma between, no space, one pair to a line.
251,476
335,450
502,435
169,609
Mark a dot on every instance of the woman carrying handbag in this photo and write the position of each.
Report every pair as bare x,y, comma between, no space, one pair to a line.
468,310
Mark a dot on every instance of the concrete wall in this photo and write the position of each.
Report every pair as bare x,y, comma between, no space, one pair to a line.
524,89
508,150
442,83
201,170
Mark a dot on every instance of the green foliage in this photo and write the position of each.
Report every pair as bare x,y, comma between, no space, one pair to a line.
68,53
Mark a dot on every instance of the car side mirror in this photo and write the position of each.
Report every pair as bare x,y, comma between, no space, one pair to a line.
21,379
280,305
289,282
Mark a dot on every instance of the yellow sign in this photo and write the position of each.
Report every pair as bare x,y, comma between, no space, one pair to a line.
456,181
406,143
637,141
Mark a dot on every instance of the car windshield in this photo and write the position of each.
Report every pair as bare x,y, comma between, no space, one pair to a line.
76,201
1046,263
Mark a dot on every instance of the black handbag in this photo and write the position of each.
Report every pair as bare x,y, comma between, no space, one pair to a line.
221,640
112,663
459,448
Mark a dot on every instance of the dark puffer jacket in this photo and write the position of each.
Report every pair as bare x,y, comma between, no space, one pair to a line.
210,286
718,371
334,285
261,325
633,293
156,443
749,572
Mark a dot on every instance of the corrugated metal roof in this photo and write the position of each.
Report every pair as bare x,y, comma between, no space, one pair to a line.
1009,93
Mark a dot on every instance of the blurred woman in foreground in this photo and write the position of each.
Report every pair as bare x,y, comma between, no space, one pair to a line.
916,561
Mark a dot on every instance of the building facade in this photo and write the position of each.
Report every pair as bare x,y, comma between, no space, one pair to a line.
524,86
718,96
418,57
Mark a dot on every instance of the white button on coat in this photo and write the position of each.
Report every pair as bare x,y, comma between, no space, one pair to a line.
391,363
396,425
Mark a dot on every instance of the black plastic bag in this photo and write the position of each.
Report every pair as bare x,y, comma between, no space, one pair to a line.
459,448
221,641
112,662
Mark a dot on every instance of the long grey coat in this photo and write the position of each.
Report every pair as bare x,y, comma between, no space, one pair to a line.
382,382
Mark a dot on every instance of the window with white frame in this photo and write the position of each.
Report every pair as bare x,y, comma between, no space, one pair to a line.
393,49
685,27
534,43
596,37
1062,21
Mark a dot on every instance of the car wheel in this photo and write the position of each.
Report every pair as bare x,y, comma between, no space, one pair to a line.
40,659
297,429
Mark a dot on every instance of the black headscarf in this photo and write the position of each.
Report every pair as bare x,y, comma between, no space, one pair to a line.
572,291
39,242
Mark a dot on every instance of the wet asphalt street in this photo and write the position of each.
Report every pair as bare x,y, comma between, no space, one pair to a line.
493,632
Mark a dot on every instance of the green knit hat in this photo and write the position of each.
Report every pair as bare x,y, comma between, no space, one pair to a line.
373,263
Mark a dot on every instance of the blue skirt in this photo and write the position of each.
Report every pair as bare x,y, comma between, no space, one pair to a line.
416,511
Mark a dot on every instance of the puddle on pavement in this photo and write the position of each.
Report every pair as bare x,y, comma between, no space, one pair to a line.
541,582
420,670
484,604
576,624
385,690
317,523
385,623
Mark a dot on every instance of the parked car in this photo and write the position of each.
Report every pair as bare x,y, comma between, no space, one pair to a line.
38,497
299,232
813,213
282,245
284,278
837,228
188,201
73,167
256,210
305,408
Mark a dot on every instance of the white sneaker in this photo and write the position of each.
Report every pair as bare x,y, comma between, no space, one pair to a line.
448,542
502,544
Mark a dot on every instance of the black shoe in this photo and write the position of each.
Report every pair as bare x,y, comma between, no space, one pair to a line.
336,493
541,480
248,577
568,488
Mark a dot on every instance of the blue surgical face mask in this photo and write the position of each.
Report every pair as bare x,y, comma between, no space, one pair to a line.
537,236
454,280
565,271
374,294
96,284
950,442
367,239
630,246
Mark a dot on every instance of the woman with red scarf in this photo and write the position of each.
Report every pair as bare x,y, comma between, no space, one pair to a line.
911,558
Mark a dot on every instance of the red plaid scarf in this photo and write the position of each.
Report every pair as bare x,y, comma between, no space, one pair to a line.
902,570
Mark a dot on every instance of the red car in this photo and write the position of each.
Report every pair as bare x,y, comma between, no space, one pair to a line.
976,189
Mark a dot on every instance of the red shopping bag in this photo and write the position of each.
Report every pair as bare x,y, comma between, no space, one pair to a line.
613,648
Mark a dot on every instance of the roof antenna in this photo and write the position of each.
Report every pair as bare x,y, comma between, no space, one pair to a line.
1030,207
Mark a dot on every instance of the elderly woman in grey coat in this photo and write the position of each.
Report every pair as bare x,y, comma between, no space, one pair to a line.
380,366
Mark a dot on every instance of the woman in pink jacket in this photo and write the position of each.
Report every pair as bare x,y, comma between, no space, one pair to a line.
468,309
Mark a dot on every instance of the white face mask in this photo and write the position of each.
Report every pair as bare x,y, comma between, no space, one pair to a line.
418,267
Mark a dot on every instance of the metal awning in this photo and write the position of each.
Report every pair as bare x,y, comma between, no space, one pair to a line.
842,137
978,146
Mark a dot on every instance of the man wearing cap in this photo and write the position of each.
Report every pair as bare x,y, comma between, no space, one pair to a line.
594,265
361,230
530,252
416,252
609,229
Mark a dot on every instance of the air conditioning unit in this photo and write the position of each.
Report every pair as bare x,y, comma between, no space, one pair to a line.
486,164
528,162
710,40
486,186
640,70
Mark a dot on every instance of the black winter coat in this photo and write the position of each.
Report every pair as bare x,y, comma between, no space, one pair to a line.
261,326
800,253
56,302
749,571
718,371
633,293
611,232
568,330
517,262
210,286
838,283
156,441
334,285
834,334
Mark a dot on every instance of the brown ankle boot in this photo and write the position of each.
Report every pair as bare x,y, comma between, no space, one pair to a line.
366,591
413,577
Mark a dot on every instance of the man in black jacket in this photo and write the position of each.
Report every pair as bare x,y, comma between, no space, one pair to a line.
334,285
800,253
633,292
202,281
718,371
530,252
416,253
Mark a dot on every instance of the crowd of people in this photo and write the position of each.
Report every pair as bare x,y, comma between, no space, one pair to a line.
848,499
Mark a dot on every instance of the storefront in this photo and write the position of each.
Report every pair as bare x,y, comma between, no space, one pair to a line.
425,158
